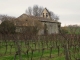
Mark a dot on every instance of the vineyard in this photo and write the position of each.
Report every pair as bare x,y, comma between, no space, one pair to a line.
46,47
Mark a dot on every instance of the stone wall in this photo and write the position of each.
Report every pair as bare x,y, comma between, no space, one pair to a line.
52,28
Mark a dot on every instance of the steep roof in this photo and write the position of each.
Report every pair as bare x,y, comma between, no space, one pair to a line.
47,11
24,19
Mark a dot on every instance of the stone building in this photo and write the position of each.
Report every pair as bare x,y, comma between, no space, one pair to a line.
52,26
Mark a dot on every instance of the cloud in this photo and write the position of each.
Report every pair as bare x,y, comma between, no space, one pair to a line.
67,10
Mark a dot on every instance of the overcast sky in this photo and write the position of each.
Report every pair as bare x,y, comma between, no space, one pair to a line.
67,10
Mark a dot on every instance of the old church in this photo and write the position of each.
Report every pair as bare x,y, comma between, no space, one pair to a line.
42,22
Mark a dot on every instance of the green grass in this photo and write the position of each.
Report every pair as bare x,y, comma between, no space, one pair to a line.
37,51
36,55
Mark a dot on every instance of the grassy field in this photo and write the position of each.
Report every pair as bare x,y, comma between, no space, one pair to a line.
42,49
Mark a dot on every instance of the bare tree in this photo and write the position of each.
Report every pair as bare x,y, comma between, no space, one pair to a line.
40,10
29,11
35,10
1,17
54,16
6,17
34,26
35,23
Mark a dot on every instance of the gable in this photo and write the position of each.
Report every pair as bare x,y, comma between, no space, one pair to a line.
46,14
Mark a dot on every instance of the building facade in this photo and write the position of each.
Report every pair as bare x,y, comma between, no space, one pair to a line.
44,22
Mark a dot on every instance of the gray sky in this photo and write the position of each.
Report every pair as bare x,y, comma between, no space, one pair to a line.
67,10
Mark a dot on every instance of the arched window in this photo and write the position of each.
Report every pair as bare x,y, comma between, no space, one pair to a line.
43,14
45,29
46,14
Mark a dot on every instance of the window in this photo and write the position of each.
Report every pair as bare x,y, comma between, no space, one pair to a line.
46,14
43,14
45,29
59,28
26,20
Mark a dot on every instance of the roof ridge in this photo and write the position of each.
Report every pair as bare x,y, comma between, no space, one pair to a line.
25,16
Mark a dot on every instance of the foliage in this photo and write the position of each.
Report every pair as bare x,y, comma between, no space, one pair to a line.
71,29
64,30
31,30
7,27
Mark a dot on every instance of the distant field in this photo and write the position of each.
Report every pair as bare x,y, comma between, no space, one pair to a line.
44,48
